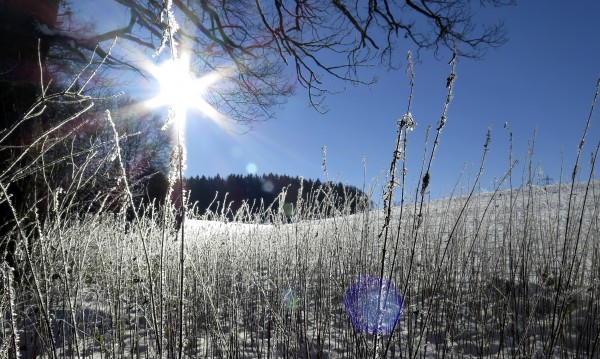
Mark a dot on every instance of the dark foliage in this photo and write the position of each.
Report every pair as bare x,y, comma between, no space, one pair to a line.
214,194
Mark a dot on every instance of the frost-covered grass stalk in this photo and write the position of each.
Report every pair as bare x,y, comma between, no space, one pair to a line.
277,289
171,26
514,272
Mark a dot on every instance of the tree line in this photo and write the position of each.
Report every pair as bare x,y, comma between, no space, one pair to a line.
228,194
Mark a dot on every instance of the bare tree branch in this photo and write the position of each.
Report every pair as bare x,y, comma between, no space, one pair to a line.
322,43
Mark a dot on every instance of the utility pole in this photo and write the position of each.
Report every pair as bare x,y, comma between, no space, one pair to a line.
547,180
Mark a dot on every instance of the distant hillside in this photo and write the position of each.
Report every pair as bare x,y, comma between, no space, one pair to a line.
209,193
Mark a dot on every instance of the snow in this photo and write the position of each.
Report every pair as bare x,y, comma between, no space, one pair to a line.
295,289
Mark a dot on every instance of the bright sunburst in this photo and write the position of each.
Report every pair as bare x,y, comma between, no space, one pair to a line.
181,90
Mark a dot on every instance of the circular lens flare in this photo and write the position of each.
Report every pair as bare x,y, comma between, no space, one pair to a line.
373,305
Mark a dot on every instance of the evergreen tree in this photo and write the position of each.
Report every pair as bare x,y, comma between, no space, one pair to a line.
212,194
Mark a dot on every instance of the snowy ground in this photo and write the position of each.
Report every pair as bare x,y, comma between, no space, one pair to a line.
497,280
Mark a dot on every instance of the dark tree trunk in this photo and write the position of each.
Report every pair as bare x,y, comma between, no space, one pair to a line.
20,53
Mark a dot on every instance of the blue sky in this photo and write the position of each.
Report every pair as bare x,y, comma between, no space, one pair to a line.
543,79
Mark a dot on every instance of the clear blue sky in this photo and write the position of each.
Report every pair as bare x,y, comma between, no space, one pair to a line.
543,78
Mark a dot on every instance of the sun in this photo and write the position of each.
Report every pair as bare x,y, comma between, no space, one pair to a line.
181,90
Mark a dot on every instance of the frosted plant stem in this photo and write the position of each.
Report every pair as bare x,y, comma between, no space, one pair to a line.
138,223
555,326
426,178
7,277
36,285
182,247
451,238
406,123
167,17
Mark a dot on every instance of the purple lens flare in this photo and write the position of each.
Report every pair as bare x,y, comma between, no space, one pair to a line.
370,313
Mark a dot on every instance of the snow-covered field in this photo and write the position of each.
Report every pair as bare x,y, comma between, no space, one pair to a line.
505,274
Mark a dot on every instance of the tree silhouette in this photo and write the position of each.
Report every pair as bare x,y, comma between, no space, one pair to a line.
318,40
210,195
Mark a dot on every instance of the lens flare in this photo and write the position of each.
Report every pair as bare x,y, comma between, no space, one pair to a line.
251,168
292,298
268,186
370,313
